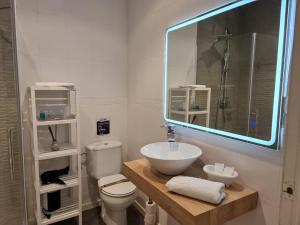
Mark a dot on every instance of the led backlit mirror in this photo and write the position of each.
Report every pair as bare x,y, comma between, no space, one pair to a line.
224,70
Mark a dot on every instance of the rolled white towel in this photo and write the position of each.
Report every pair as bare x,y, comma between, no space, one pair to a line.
197,188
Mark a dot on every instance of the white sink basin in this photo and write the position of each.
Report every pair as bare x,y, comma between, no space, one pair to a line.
171,158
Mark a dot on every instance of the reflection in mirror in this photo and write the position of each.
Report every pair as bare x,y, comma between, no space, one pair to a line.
221,70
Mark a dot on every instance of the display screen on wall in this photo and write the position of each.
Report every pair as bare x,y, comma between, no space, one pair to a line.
224,71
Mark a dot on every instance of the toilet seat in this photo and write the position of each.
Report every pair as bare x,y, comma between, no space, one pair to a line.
117,190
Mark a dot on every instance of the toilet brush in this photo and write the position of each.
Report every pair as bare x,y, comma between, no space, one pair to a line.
54,145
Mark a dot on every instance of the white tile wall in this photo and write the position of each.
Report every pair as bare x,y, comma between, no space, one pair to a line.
84,42
258,167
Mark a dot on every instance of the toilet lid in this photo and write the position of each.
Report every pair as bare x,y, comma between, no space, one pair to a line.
116,190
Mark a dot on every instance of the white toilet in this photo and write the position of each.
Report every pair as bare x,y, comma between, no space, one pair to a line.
104,164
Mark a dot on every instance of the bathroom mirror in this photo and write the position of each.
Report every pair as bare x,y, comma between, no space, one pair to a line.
224,70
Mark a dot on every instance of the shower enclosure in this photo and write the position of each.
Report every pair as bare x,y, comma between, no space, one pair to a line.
12,207
239,69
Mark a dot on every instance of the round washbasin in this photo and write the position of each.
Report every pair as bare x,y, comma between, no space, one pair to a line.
171,158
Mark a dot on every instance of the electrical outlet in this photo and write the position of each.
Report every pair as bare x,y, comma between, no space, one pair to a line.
103,127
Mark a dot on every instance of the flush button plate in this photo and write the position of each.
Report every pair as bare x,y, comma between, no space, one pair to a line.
103,127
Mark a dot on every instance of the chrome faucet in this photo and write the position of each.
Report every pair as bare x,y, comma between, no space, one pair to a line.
170,132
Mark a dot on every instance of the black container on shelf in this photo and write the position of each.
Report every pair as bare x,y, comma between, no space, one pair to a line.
54,201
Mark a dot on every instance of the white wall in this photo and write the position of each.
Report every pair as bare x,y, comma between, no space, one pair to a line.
258,167
84,42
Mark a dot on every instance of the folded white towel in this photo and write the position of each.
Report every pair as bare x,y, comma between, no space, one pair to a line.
201,189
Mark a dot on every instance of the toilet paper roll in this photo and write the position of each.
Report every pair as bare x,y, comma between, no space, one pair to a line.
150,213
150,207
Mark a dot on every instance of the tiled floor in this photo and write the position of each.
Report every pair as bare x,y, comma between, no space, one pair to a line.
92,217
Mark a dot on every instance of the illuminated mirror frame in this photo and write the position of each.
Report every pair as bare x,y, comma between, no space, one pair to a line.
285,42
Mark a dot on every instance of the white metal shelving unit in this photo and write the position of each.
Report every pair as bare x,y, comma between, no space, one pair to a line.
70,150
185,98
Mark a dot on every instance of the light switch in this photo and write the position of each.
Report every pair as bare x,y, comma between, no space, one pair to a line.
103,127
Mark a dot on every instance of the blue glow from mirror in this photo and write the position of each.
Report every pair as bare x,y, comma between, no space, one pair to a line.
279,70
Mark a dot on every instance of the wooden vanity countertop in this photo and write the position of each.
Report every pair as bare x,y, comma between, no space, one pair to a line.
239,199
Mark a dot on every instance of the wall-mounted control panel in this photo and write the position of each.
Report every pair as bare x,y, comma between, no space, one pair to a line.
103,127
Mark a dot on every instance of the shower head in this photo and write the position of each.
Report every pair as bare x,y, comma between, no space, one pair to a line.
223,37
212,55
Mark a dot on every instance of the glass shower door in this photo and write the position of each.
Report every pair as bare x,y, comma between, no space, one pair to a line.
12,209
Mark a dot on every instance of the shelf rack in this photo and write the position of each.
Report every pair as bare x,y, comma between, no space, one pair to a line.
185,99
71,181
62,214
70,150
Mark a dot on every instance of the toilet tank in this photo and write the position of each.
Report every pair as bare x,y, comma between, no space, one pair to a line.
104,158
